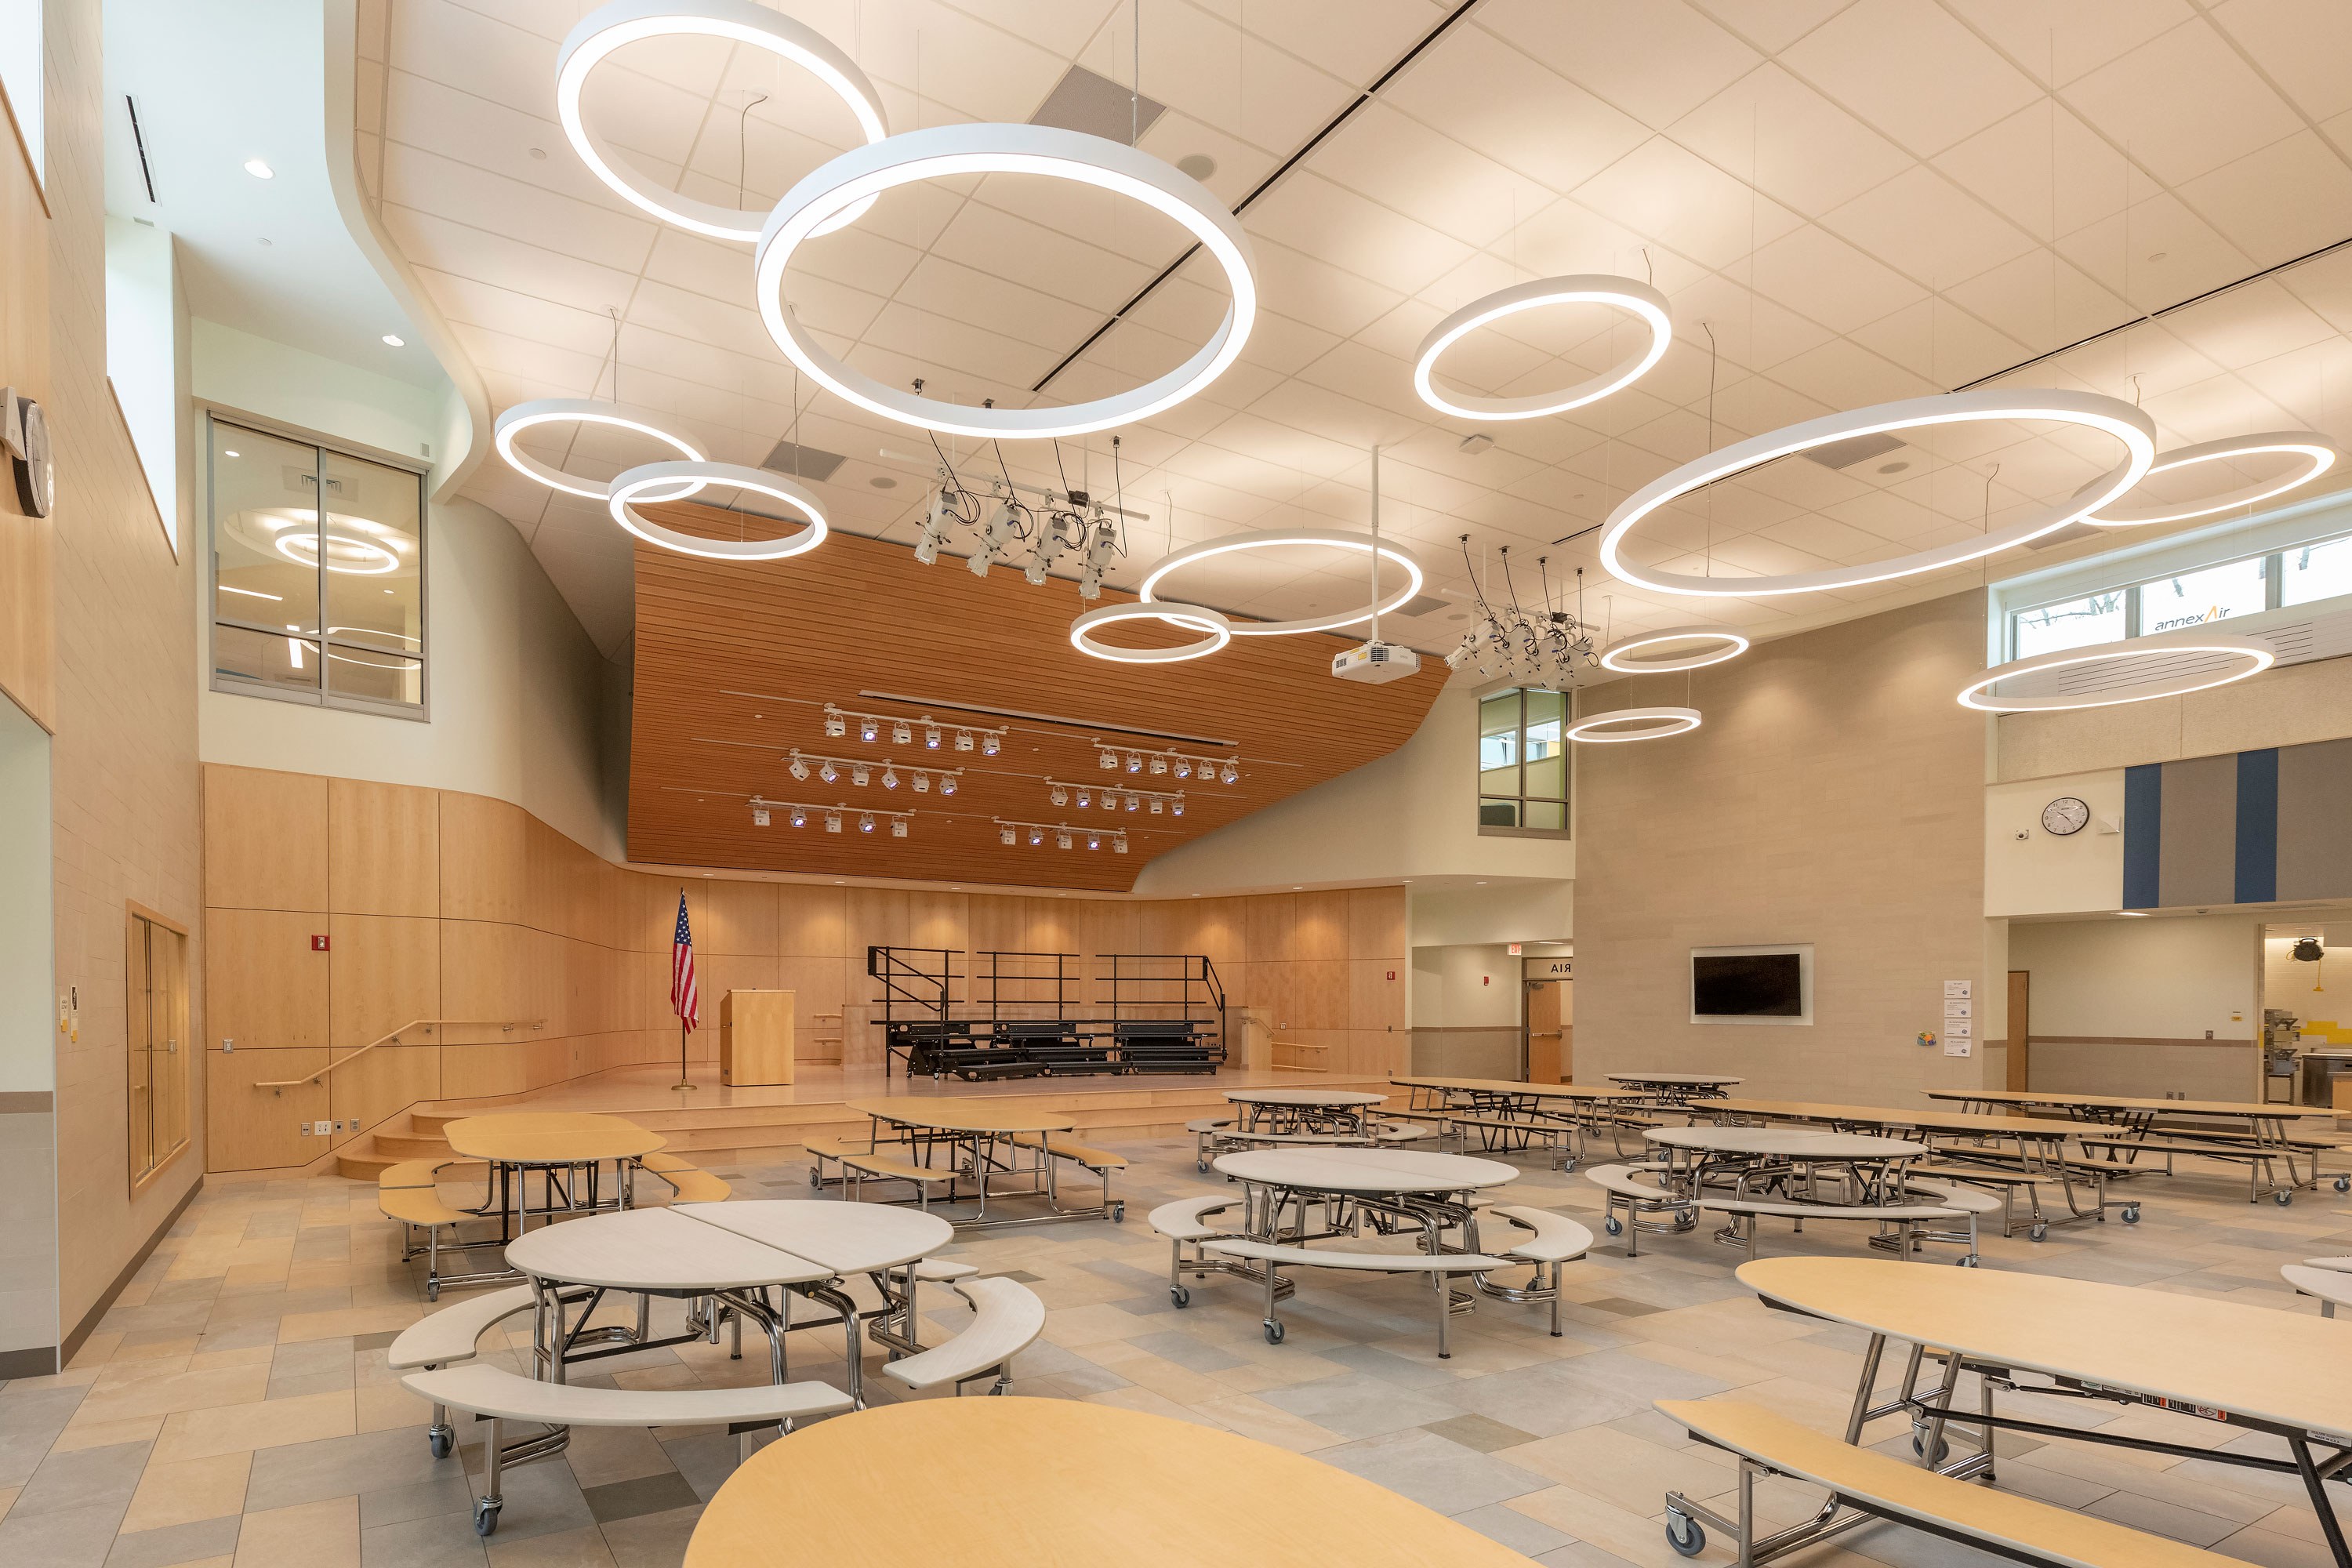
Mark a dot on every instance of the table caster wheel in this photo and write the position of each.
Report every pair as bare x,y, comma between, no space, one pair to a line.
1919,1445
1273,1332
1614,1225
2131,1214
2040,1232
2283,1199
432,1289
437,1439
1684,1535
486,1516
2343,1183
1118,1213
1970,1261
1201,1166
1179,1295
814,1180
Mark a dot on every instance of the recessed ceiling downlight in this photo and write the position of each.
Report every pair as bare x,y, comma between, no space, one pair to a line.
1278,538
2319,455
1624,653
2086,409
1638,300
641,483
945,152
612,27
540,411
2168,664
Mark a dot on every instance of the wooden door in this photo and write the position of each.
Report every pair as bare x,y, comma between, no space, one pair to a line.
2020,998
1547,1041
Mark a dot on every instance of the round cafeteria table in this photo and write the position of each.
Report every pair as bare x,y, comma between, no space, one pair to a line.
1303,1110
1049,1483
971,1128
555,1143
1412,1187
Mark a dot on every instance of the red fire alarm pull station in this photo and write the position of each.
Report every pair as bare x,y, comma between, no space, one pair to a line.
318,944
1391,974
1485,979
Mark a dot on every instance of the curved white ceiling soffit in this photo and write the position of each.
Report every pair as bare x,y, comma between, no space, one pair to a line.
454,463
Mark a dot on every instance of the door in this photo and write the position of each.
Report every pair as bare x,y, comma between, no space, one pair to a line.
1547,1031
2020,998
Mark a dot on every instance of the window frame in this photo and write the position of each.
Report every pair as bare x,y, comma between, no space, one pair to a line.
2273,566
136,917
1480,793
419,712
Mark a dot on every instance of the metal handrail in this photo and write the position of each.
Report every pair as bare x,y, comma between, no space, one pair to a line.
427,1025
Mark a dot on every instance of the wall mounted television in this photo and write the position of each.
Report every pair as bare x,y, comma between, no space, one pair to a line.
1763,984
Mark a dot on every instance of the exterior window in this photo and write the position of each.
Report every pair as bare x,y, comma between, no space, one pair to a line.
2077,622
2316,572
311,603
1523,763
2200,598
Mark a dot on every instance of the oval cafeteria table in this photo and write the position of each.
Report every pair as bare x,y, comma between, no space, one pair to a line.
1413,1187
971,1128
1677,1087
2134,1118
516,1143
1304,1109
2260,1370
1055,1483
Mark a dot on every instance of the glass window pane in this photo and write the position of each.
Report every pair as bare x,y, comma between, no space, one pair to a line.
265,544
2077,622
375,557
289,664
1498,743
1550,814
2200,598
373,673
1547,716
1547,778
1498,814
2316,572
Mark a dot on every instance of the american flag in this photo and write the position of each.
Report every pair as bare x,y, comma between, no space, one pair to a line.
682,998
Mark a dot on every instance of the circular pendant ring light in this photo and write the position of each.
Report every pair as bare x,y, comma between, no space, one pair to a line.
582,411
1274,538
946,152
2319,452
1656,724
1620,654
2086,409
625,22
346,553
639,483
1217,632
2177,671
1638,299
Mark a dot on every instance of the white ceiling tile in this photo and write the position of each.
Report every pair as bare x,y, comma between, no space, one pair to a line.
1401,164
2041,302
2247,326
1927,229
1800,148
1937,340
2156,254
1749,329
2301,45
1819,275
1684,203
1355,40
2287,200
1315,215
2046,171
538,270
1656,61
2182,104
1771,26
2071,39
1494,98
496,204
1910,70
2223,405
1846,375
2310,383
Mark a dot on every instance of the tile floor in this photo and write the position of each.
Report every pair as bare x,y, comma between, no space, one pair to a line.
235,1410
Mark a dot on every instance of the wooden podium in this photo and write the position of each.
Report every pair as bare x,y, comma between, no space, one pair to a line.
755,1038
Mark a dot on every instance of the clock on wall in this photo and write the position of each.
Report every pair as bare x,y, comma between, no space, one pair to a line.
24,431
2064,816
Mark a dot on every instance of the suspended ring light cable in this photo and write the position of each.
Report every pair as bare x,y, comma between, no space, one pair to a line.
637,484
2087,409
946,152
1217,631
1587,289
1277,537
612,27
2198,676
1657,723
522,416
1619,656
2319,452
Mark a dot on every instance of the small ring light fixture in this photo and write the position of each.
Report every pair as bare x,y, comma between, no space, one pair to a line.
584,410
1620,654
2087,409
2317,451
1217,631
346,552
1655,724
945,152
637,483
1275,538
612,27
2166,678
1636,299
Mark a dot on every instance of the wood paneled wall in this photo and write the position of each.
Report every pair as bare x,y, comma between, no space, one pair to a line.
28,599
440,904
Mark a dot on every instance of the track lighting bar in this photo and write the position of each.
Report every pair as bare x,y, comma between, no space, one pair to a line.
862,772
801,813
1114,796
1063,834
1183,765
934,736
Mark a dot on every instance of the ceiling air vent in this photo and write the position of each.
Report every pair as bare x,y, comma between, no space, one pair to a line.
1422,605
802,462
1855,450
1097,105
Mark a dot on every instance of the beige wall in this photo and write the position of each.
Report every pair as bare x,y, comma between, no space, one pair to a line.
1834,796
439,904
2279,707
2123,1005
2032,871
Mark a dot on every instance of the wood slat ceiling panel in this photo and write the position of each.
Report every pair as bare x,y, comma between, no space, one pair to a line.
735,662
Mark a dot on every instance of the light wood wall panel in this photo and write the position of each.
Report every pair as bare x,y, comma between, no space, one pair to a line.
264,987
386,973
383,848
485,859
265,839
28,573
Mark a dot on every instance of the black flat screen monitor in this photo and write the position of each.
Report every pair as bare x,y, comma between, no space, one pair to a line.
1748,985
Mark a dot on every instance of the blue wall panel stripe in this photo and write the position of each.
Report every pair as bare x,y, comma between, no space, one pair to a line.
2143,834
2257,827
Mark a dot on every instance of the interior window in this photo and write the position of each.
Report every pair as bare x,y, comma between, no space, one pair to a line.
2077,622
1523,762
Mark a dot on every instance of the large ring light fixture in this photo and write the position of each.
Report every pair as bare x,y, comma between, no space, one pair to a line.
1274,538
944,152
2258,655
1619,655
637,484
584,411
2087,409
1217,632
1587,289
360,557
625,22
2318,451
1657,723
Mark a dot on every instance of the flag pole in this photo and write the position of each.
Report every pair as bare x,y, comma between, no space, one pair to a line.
683,1083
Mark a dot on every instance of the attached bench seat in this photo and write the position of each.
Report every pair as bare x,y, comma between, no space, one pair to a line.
501,1396
2009,1179
1436,1267
884,1166
408,1174
689,1184
407,1191
449,1336
1187,1223
1552,1240
1638,1189
1010,1318
1948,1203
1062,1146
1874,1483
2258,1159
1497,1131
2332,1287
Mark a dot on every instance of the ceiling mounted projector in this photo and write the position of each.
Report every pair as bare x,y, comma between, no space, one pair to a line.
1376,663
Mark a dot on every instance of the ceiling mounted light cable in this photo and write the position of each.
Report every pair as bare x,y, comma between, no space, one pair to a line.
1587,289
2319,455
523,416
1278,538
948,151
638,483
612,27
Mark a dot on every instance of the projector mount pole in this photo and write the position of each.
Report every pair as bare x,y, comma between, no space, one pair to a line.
1376,545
